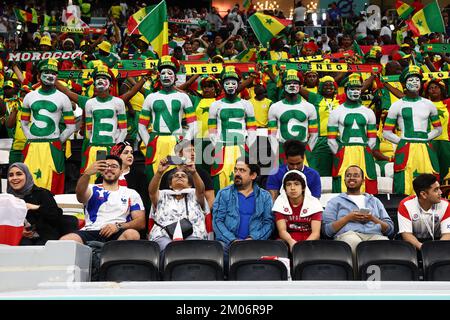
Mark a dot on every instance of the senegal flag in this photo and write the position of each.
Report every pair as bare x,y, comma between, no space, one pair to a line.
427,20
151,22
403,9
266,27
23,16
247,4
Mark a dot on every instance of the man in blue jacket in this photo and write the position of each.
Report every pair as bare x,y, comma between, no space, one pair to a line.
353,216
243,211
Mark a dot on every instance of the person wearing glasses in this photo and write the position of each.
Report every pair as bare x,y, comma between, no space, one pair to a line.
112,211
354,216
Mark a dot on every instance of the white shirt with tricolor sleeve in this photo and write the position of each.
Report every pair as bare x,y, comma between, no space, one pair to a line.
431,224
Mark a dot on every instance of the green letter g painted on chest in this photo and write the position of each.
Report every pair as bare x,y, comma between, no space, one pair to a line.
50,125
296,131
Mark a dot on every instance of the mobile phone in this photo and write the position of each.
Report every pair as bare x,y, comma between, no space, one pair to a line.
175,160
364,211
101,155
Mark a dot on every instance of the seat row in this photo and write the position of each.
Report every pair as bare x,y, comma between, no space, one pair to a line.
265,260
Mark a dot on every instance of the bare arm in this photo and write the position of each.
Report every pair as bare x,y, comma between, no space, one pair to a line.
185,86
409,237
399,94
315,230
153,187
82,191
284,234
72,95
135,89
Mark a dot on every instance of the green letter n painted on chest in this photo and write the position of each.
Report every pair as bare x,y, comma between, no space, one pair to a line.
229,119
296,131
354,127
50,125
170,117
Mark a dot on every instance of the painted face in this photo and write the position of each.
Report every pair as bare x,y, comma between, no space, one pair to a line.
413,84
167,77
292,87
354,93
230,86
48,78
102,84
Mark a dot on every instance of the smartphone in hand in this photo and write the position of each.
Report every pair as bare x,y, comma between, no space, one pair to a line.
176,160
364,211
101,155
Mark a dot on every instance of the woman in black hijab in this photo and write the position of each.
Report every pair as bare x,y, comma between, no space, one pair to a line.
43,217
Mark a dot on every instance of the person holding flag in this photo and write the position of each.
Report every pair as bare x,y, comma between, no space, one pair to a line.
41,113
160,124
352,137
413,115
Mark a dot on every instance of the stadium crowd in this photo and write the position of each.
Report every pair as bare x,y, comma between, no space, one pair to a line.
202,137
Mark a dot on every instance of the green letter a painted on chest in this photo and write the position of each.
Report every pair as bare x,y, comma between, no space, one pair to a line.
354,127
170,117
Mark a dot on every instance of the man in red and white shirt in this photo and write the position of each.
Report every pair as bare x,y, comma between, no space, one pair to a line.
424,216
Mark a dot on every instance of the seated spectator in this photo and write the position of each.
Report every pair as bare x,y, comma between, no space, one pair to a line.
353,216
185,199
112,212
131,176
242,211
295,157
298,214
43,216
424,216
188,154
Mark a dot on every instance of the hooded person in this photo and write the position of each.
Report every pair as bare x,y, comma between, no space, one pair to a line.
412,115
298,214
352,137
232,126
43,153
160,120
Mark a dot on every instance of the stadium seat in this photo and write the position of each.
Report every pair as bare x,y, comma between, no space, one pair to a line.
436,260
132,260
256,260
325,197
193,260
327,184
387,260
391,203
322,260
68,224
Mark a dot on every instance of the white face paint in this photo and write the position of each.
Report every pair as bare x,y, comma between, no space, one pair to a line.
48,78
292,87
102,84
354,93
167,77
413,84
230,86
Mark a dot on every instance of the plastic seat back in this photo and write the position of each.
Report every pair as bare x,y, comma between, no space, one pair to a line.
436,260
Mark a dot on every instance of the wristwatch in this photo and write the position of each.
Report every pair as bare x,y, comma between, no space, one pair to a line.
119,225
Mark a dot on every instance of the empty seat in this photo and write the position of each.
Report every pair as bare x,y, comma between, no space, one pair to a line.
391,203
193,260
132,260
387,260
436,260
246,262
322,260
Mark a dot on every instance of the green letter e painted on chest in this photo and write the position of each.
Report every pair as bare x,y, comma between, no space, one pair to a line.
170,117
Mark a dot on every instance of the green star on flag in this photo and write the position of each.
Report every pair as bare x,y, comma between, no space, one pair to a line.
419,23
231,177
269,21
38,174
266,27
441,113
205,110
